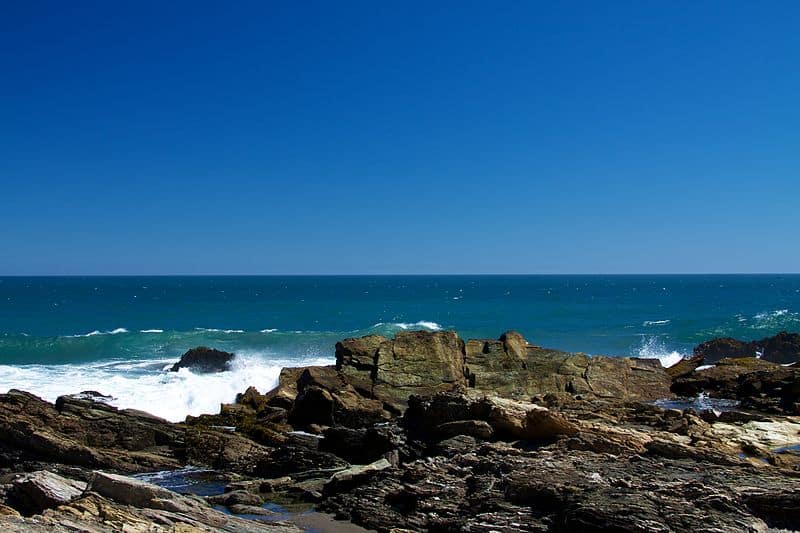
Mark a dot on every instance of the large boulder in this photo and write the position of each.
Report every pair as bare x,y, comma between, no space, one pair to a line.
782,348
205,360
419,362
414,362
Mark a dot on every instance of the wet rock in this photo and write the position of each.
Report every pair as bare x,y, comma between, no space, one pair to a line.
203,359
236,497
118,503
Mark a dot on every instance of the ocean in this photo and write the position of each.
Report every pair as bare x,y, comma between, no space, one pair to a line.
116,335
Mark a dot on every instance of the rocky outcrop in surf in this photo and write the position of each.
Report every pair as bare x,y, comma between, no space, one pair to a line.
203,359
782,348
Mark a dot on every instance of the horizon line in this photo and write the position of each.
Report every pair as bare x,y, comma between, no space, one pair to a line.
417,274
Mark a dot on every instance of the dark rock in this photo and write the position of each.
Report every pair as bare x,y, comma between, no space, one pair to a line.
203,359
360,446
299,463
86,433
474,428
222,450
325,398
758,384
782,348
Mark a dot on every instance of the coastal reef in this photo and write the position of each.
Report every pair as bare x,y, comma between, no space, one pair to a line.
428,432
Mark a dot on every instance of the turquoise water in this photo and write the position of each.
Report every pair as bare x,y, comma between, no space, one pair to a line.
116,334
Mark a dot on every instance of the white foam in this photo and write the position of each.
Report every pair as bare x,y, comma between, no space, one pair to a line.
653,348
268,330
777,319
215,330
98,332
151,331
142,385
655,322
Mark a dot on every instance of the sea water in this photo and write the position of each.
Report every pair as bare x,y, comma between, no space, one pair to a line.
117,335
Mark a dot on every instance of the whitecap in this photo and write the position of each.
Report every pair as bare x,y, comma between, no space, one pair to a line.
142,385
426,324
268,330
151,331
98,332
655,322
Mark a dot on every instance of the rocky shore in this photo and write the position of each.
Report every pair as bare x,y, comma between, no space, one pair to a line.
428,432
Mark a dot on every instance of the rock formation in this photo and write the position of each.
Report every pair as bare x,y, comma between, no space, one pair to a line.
205,360
782,348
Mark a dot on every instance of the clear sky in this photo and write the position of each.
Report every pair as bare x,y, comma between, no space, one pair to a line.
399,137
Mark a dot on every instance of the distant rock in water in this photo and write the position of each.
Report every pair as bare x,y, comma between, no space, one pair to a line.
782,348
202,359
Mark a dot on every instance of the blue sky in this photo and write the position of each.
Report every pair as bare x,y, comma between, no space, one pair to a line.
399,137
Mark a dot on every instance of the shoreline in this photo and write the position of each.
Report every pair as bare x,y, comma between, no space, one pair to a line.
423,427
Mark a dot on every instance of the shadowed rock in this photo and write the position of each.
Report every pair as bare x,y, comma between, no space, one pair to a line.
782,348
206,360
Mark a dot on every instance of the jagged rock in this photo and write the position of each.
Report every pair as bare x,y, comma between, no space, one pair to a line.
78,431
757,383
782,348
253,399
284,394
203,359
325,398
223,451
418,362
357,359
491,363
502,488
512,368
34,492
